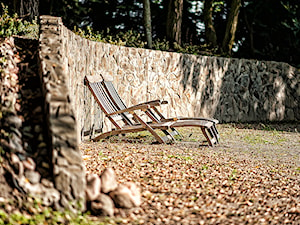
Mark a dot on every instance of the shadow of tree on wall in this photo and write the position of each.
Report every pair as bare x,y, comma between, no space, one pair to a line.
239,90
202,78
231,90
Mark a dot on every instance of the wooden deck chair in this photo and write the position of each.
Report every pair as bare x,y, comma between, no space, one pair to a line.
154,114
127,120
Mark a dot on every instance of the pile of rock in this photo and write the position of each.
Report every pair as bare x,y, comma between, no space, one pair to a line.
9,120
104,194
20,145
28,162
28,181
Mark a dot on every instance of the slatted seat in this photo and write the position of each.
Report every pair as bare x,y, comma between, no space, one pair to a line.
127,119
153,112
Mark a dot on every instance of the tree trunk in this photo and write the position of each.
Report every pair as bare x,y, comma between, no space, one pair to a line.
46,7
231,26
174,21
16,6
250,32
210,32
29,8
147,23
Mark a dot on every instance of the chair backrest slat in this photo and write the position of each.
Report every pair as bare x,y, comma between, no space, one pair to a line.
119,104
105,101
103,97
114,94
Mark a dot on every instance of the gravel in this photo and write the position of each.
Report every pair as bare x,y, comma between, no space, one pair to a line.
252,177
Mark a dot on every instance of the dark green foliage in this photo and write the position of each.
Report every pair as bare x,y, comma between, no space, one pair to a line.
128,38
267,29
13,25
134,39
73,12
270,30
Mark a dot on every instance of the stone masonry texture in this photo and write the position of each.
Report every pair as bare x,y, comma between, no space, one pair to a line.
228,89
68,168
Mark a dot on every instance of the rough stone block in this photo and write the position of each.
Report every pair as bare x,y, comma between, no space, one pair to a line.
108,180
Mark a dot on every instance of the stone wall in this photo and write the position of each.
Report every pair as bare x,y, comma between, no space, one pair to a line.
39,153
68,167
230,90
26,155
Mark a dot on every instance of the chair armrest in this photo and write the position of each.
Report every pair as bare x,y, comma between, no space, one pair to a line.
169,119
215,121
130,109
154,103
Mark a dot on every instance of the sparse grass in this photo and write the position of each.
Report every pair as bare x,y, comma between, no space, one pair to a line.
255,139
49,216
273,137
253,170
181,157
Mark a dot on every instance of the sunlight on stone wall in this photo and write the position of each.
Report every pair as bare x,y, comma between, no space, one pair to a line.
228,89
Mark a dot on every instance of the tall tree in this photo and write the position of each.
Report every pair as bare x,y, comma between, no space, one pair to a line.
232,21
210,32
147,22
24,8
214,21
30,8
174,21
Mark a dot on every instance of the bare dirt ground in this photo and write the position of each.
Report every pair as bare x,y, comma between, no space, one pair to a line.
252,177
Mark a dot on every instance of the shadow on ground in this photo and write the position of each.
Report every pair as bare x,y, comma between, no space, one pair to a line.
289,127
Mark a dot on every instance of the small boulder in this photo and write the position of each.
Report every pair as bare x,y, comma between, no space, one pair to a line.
127,195
14,121
29,164
50,196
102,206
108,180
93,187
32,176
14,159
16,164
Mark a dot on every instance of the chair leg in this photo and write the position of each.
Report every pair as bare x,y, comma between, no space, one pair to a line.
203,129
177,132
168,135
216,132
154,118
213,134
150,129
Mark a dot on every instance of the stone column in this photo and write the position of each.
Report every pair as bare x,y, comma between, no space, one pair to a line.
68,168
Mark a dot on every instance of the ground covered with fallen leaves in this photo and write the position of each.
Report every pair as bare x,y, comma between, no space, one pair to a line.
252,177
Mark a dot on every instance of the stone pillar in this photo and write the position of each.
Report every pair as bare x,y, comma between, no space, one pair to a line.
68,168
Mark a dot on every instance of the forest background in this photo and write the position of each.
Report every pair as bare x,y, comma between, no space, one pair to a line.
253,29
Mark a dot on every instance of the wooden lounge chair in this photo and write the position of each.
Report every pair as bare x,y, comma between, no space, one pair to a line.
154,114
127,120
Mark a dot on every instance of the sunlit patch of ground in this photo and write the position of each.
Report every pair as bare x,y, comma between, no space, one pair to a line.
252,177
